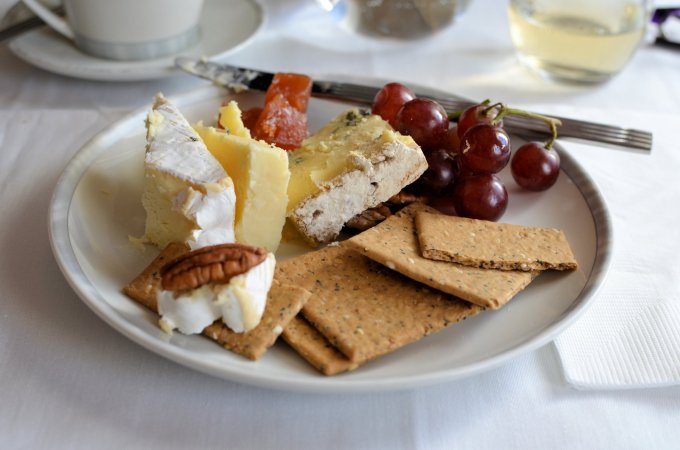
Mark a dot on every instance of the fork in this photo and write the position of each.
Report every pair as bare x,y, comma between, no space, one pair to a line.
239,78
523,126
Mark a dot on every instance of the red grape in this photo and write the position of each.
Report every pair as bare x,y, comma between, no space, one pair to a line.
480,197
389,99
485,149
535,167
424,120
451,141
444,204
475,115
441,171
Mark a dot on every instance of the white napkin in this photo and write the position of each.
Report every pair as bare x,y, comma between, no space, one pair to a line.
630,336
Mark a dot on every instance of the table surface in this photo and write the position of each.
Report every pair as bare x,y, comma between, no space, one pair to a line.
113,393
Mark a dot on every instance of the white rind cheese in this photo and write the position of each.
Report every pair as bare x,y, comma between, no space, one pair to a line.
240,302
188,196
243,301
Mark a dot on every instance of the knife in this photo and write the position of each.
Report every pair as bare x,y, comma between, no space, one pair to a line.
239,79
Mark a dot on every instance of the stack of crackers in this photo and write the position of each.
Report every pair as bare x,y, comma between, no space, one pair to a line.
412,275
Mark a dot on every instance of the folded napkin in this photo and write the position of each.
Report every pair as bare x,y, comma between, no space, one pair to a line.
630,336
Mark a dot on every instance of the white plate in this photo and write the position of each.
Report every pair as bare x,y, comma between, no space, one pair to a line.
226,26
96,206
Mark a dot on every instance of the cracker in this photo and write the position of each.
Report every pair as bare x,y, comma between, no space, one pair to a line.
394,243
491,245
315,348
364,309
144,287
283,303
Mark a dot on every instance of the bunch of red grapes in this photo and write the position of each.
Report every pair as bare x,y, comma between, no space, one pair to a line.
464,158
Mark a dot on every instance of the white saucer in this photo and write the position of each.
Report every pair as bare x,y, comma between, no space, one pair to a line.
225,27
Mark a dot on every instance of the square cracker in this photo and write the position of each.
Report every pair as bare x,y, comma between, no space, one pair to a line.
364,309
315,348
394,243
144,287
491,245
283,303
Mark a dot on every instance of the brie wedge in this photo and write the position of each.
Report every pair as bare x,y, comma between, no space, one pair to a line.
188,196
240,302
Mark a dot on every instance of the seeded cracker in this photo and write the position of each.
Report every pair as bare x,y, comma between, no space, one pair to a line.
364,309
394,243
312,346
284,303
491,245
143,289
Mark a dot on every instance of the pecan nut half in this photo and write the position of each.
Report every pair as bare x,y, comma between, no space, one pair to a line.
369,218
213,264
406,198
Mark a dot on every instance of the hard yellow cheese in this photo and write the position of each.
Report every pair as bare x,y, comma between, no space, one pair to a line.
260,175
230,120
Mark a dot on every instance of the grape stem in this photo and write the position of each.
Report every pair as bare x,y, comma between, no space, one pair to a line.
455,115
552,123
499,106
504,110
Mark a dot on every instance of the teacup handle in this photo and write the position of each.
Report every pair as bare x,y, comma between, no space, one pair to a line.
57,23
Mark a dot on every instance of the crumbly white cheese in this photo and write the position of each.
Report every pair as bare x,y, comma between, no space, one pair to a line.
353,163
240,302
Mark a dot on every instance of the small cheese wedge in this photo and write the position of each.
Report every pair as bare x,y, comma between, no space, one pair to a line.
230,120
260,174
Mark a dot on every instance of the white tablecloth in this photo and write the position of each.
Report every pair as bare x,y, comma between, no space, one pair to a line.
67,380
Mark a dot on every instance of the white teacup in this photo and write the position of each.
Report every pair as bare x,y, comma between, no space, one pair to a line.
126,29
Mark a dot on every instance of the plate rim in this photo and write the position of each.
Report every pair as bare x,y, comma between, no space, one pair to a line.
62,249
129,71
